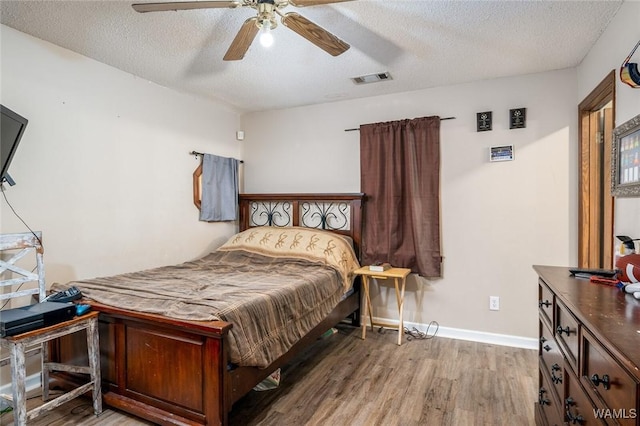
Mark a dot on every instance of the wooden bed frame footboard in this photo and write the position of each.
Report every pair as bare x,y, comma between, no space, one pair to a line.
176,372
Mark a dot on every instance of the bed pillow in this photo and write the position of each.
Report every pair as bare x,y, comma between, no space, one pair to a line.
311,244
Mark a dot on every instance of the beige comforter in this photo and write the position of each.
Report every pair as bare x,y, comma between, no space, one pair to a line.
272,301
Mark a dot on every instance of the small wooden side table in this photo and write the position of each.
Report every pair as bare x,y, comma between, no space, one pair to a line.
399,276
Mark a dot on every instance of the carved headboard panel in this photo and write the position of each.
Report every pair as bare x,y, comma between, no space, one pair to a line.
340,213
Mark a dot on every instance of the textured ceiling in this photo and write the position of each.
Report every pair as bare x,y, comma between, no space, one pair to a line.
421,43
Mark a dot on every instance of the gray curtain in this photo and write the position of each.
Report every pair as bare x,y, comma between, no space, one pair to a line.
219,189
400,176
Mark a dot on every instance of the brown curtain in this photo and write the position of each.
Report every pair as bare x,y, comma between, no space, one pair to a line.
400,175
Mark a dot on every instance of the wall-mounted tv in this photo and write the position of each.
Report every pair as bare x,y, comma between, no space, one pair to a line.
11,129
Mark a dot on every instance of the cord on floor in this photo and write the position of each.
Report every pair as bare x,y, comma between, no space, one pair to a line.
414,333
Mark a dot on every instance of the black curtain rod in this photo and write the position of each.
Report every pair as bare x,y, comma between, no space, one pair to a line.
357,129
202,155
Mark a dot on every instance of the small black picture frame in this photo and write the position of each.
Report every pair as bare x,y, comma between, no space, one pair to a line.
484,121
517,118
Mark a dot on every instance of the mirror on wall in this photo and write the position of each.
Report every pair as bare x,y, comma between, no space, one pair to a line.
197,186
625,159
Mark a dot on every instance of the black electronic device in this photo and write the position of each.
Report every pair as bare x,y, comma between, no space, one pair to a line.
16,321
12,127
589,272
27,318
68,295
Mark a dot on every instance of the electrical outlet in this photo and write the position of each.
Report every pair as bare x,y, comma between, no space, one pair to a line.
494,303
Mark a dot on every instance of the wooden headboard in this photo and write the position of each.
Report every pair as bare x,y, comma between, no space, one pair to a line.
340,213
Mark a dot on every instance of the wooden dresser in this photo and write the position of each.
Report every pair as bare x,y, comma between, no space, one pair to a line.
589,352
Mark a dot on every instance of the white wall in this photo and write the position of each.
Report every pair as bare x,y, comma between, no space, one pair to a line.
608,53
103,169
498,219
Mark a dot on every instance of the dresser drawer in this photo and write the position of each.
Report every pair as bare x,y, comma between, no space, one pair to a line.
566,332
616,388
545,302
552,360
578,408
549,404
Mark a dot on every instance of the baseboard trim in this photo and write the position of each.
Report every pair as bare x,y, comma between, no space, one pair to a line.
470,335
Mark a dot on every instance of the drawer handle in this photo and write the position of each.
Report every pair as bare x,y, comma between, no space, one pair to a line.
596,380
541,399
561,330
555,379
545,303
547,348
577,419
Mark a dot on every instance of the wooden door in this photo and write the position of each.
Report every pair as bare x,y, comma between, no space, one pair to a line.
595,221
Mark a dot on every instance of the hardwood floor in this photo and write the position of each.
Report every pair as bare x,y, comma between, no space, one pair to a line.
343,380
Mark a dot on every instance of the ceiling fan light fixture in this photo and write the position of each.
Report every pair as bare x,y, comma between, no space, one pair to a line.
266,21
266,38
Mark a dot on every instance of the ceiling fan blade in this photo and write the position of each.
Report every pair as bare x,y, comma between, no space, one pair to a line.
186,5
302,3
315,34
243,40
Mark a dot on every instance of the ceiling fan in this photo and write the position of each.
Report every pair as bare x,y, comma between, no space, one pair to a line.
264,21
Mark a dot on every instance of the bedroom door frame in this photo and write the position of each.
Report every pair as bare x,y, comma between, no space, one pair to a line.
595,205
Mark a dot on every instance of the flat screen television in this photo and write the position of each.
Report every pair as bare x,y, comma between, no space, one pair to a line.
11,129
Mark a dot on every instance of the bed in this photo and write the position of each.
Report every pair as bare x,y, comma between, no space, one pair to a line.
188,368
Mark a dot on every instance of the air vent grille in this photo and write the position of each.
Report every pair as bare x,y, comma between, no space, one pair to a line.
372,78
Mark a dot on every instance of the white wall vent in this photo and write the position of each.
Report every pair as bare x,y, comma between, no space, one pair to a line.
372,78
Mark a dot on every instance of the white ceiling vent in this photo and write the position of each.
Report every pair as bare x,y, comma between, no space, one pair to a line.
372,78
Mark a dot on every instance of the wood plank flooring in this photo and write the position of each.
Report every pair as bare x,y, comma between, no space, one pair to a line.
343,380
